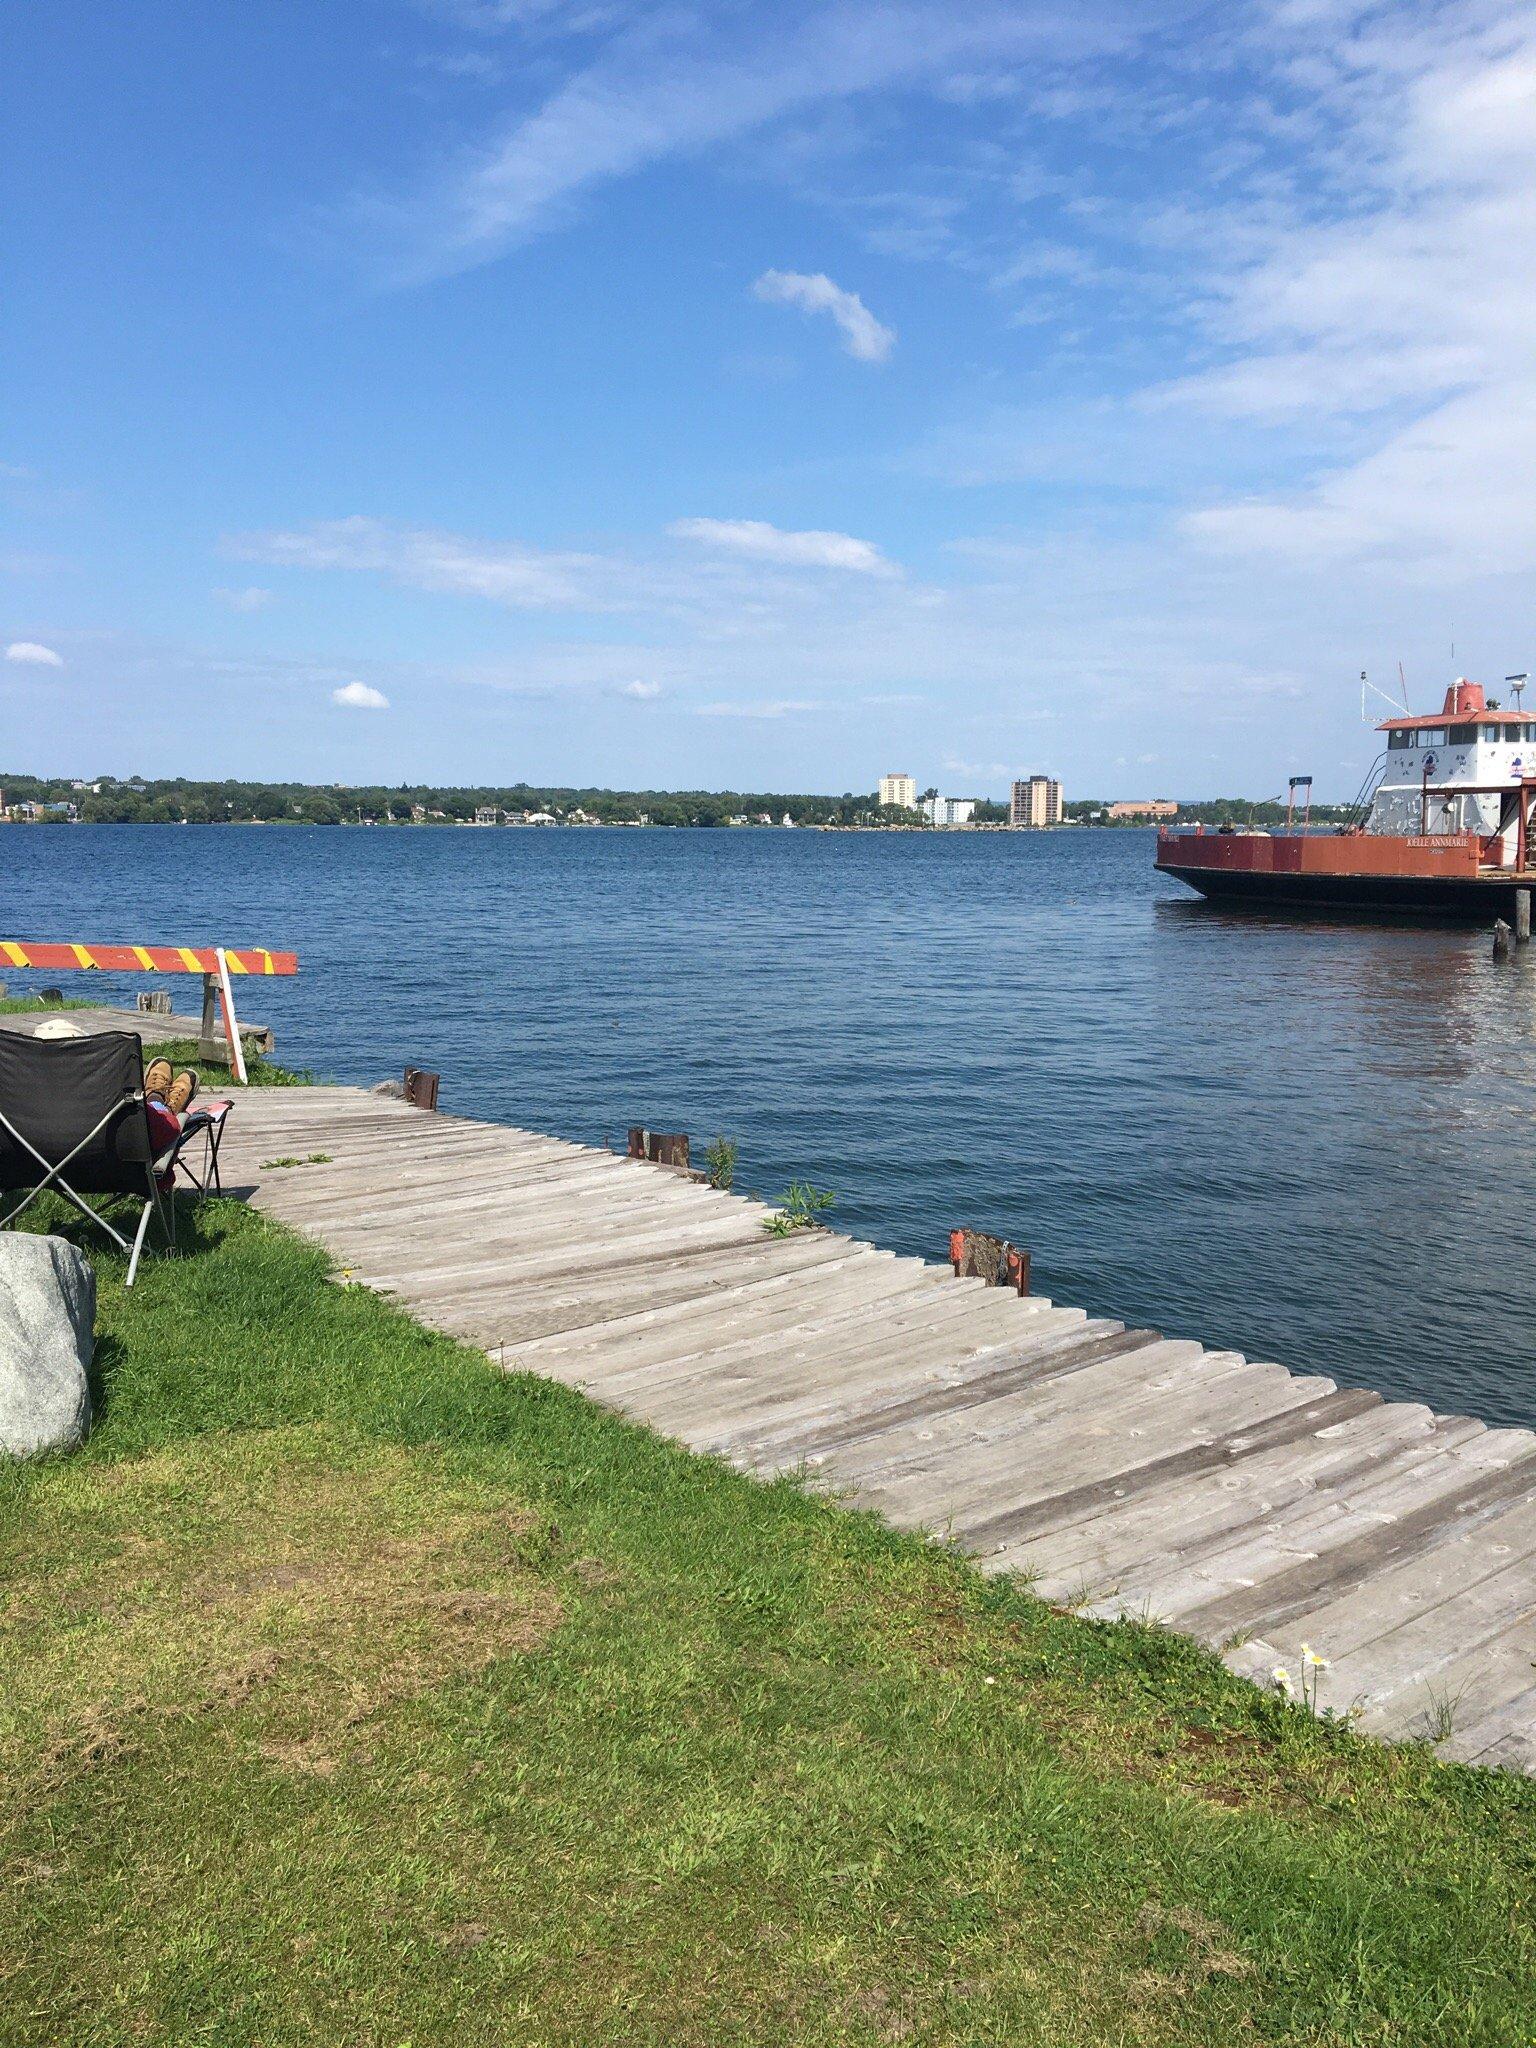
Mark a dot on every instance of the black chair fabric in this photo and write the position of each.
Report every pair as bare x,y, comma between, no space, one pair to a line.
54,1090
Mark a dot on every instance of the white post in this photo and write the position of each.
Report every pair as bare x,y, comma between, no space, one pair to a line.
231,1028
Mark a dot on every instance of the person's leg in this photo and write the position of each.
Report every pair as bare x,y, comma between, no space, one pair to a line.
164,1130
181,1091
164,1124
157,1079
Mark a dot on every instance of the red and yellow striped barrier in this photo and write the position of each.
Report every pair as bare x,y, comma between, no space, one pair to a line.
146,959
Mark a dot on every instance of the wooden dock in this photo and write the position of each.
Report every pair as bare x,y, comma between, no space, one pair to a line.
1126,1473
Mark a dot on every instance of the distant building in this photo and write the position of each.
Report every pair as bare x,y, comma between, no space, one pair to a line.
1154,807
949,810
1036,804
487,814
899,792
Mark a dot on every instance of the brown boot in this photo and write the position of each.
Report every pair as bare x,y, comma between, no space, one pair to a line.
157,1078
182,1090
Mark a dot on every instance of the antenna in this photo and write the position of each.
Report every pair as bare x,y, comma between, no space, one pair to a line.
1367,684
1402,682
1519,682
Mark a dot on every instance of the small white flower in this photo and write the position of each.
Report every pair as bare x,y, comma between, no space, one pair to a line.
1282,1678
1311,1656
989,1681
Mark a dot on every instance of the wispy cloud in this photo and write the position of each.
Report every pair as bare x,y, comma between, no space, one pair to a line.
863,335
668,83
642,693
762,542
360,697
525,578
250,599
766,707
33,654
732,570
1397,310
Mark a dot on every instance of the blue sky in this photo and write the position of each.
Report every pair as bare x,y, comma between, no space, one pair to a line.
573,390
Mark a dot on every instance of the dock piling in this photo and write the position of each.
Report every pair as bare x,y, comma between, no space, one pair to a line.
661,1148
421,1088
1522,917
209,1047
1501,939
976,1255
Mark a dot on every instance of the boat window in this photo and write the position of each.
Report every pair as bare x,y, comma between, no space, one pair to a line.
1491,732
1431,735
1398,738
1463,735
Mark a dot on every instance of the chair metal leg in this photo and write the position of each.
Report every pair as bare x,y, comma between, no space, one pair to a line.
138,1241
56,1184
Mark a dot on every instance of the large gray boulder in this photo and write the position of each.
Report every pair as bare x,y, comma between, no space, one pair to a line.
47,1335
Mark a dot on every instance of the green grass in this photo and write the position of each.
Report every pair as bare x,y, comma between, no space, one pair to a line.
356,1693
261,1071
18,1006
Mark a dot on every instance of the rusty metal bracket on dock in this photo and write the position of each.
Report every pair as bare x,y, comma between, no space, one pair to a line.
974,1255
421,1088
661,1148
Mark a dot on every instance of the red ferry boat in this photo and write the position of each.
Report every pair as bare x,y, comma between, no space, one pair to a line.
1445,829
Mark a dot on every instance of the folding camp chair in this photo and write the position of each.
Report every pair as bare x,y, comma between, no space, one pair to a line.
73,1119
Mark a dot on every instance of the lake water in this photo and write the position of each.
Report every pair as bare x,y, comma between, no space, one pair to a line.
1310,1141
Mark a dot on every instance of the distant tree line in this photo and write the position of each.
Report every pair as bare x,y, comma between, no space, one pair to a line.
175,800
1216,810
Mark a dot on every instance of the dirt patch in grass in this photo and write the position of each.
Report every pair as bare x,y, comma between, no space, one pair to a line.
304,1588
1204,1946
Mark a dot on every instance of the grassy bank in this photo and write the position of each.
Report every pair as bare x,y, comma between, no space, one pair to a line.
357,1693
260,1070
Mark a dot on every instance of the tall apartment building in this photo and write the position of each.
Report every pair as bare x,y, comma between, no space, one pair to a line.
900,791
1036,803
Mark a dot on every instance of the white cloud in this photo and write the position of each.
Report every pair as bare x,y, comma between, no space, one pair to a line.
768,707
1397,313
249,600
32,654
525,578
764,543
1447,495
863,335
675,82
643,693
732,589
360,697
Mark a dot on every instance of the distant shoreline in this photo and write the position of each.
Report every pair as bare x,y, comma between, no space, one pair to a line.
181,800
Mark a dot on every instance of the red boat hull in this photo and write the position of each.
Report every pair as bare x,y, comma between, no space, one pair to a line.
1435,875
